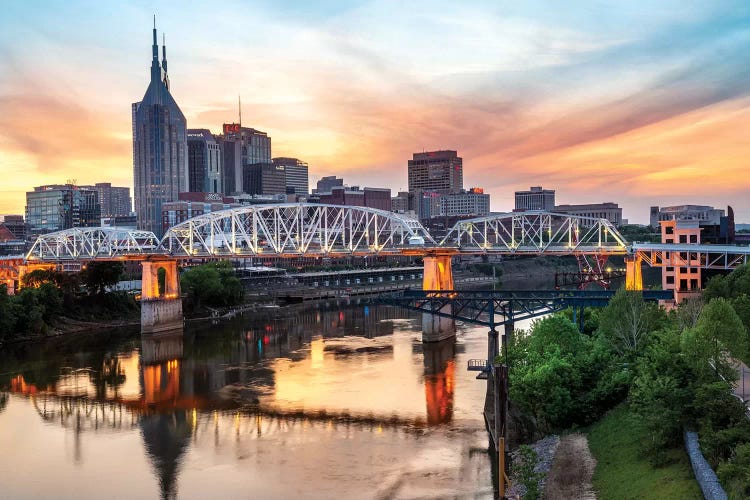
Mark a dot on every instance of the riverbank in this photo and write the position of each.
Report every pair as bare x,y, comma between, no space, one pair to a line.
622,471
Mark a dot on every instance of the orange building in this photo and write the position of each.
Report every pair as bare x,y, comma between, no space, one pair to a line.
682,272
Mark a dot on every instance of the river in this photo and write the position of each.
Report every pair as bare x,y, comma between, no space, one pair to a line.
334,400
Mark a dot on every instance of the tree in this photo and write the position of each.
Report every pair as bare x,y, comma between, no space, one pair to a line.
99,275
562,377
628,319
688,312
213,284
662,391
718,335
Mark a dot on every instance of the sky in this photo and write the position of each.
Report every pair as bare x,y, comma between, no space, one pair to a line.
639,102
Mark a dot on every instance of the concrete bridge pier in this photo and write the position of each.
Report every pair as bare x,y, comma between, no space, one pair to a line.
633,272
492,345
508,336
437,328
438,276
161,307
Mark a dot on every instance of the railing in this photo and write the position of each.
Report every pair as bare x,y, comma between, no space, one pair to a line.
478,365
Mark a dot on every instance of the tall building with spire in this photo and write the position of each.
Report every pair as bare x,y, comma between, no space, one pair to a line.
160,160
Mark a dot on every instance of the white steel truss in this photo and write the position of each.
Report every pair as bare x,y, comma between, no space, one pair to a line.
294,229
92,243
536,232
692,255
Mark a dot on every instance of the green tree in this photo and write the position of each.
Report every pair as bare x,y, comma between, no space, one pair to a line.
99,275
732,285
562,377
627,321
662,392
7,314
212,284
718,335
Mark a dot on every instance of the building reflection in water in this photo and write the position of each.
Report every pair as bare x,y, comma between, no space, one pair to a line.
168,390
165,435
439,380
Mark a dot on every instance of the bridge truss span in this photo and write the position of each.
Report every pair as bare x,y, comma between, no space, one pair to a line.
294,229
83,243
536,232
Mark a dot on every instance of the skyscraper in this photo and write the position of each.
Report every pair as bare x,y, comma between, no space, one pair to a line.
264,178
297,180
61,206
205,163
438,171
159,146
115,201
242,146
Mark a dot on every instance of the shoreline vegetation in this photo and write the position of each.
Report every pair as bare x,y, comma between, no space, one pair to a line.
636,377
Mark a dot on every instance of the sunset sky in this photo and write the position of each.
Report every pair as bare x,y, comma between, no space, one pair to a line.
636,102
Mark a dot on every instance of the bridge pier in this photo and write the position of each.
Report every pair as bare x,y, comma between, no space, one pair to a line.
492,345
508,336
633,273
161,310
438,272
438,276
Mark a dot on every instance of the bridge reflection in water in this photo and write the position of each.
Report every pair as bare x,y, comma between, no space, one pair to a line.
185,395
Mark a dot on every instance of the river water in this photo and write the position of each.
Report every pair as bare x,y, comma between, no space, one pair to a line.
334,400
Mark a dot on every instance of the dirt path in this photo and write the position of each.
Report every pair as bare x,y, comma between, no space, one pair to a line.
572,470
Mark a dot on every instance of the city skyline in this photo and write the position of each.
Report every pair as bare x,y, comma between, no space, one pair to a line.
640,104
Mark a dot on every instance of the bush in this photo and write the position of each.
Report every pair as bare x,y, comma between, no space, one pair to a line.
735,473
524,470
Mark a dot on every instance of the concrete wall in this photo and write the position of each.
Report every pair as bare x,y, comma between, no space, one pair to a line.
161,315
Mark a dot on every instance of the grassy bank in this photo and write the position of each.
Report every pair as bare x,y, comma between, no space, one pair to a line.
623,472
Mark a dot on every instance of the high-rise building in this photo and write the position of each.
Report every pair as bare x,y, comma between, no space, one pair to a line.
472,202
205,162
231,155
297,180
241,146
379,198
437,171
56,207
400,202
115,201
264,178
535,198
326,184
15,224
427,204
159,147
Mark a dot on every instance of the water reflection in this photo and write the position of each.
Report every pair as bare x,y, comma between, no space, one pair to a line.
350,392
439,380
166,437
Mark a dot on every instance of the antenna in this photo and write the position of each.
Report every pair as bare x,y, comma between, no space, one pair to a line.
239,103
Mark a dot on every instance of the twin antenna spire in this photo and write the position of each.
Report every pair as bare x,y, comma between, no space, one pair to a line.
156,68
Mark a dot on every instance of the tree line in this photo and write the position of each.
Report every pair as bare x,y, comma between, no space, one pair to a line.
675,370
